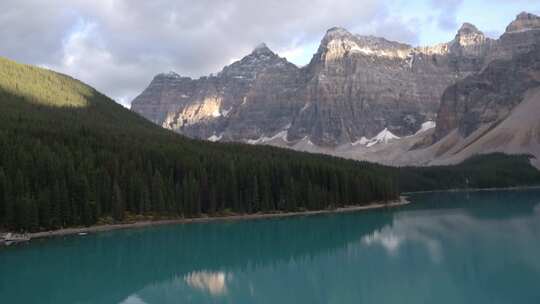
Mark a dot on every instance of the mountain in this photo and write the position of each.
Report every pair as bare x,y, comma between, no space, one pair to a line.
494,111
252,96
354,87
70,156
355,91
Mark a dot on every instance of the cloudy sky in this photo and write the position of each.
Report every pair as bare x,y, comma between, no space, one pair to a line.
118,46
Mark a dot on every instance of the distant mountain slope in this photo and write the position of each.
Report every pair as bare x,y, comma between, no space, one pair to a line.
70,156
518,133
497,110
354,87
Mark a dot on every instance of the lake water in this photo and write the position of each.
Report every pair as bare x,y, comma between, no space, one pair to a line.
481,247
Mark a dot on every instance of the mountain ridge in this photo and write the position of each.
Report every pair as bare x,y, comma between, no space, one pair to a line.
354,87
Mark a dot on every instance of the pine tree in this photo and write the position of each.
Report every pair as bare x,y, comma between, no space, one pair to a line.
45,209
255,198
56,212
158,201
3,196
178,199
33,215
118,207
64,202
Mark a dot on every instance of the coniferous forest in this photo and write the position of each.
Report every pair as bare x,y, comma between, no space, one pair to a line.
70,156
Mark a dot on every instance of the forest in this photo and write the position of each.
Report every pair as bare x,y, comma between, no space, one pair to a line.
70,156
495,170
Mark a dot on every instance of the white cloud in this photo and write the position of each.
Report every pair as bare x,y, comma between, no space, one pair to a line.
447,13
119,45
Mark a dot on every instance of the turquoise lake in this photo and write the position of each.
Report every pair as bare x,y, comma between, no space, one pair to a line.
474,247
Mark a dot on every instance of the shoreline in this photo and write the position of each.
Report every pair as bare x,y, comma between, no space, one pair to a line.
475,189
144,224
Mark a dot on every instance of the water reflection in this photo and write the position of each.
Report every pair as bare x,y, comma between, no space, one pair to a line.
133,299
214,283
386,238
445,248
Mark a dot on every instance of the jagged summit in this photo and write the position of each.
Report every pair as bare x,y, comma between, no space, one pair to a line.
260,59
468,28
349,90
379,42
337,32
523,22
169,75
470,41
339,42
262,48
526,16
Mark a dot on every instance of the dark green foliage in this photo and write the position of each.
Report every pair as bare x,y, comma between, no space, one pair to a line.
487,171
80,158
118,208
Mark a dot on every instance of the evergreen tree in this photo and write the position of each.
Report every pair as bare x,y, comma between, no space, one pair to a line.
3,195
45,209
117,203
158,201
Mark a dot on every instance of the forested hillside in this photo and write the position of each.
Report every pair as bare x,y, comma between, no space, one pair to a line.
482,171
71,156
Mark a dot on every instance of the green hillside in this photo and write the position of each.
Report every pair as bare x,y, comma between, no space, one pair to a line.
42,87
71,156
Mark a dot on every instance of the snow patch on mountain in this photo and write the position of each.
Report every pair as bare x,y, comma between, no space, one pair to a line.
215,138
428,125
263,139
362,141
384,137
226,112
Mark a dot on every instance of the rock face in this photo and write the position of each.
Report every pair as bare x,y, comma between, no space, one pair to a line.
524,22
205,107
353,88
359,85
488,97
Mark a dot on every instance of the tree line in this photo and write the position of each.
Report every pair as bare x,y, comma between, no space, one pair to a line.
77,179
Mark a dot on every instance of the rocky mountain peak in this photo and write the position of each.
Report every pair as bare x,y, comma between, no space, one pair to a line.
348,91
337,31
261,58
262,49
469,34
468,29
169,75
470,41
526,16
524,21
379,43
339,43
336,34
